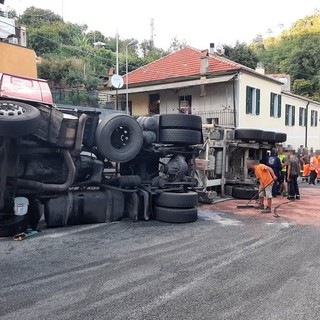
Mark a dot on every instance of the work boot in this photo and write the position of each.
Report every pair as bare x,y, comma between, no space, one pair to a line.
266,210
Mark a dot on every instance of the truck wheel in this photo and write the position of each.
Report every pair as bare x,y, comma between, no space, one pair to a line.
244,193
13,225
18,118
175,215
181,136
177,200
181,121
119,137
248,134
280,137
269,136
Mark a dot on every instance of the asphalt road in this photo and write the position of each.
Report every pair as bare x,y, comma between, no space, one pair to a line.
222,266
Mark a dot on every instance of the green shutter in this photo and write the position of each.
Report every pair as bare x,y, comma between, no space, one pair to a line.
249,100
293,115
316,118
311,120
258,102
279,106
306,118
286,121
272,95
300,116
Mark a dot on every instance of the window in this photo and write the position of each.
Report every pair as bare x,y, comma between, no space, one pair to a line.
290,115
302,117
253,101
314,118
154,103
275,105
185,104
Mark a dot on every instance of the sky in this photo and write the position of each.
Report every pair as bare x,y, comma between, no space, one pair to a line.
196,23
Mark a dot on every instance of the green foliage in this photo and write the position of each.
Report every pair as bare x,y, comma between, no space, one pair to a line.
295,52
242,54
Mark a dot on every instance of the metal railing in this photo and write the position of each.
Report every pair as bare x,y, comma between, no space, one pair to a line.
220,117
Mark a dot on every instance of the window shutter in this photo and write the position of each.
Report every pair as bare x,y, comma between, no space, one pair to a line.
300,116
272,95
258,102
312,116
293,115
287,115
279,106
306,118
316,118
249,100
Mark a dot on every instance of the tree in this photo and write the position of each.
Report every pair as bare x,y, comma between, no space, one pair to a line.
241,53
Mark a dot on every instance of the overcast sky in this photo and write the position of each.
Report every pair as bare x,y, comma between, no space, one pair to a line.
198,23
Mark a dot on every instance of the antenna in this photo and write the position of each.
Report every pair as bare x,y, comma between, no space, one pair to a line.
152,32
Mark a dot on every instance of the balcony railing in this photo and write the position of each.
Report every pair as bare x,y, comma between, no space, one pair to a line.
219,117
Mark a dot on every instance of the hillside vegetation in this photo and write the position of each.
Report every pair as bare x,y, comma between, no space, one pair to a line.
72,56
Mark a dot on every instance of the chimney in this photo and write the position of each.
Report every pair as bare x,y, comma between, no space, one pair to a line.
204,62
260,68
211,48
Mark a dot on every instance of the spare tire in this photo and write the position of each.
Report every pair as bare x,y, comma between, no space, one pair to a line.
119,137
18,118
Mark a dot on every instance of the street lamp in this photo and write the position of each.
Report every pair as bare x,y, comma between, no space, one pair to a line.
131,43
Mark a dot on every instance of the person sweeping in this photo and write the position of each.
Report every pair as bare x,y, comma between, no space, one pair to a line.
266,178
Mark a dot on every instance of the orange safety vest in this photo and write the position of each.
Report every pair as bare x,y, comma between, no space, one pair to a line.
313,163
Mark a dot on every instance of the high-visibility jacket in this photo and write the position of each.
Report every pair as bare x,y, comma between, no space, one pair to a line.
282,158
314,163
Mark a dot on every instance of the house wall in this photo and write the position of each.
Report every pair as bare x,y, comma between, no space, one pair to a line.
18,60
296,135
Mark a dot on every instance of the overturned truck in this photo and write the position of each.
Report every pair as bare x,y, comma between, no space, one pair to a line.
221,166
74,167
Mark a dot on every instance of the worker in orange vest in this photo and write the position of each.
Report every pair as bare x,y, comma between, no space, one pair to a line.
313,169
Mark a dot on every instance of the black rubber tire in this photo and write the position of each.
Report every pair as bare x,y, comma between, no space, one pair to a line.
180,136
280,137
175,215
13,225
18,118
248,134
119,137
183,121
244,193
177,200
269,136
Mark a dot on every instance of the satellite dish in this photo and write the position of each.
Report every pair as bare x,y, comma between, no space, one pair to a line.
117,81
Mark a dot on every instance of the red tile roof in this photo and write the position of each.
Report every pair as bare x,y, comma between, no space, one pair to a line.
183,63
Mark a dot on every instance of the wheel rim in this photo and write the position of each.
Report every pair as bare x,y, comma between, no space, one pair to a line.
11,109
120,137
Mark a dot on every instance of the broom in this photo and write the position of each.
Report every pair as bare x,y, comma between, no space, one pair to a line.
247,205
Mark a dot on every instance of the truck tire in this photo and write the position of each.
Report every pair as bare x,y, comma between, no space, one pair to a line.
248,134
186,121
18,118
175,215
13,225
269,136
180,136
177,200
244,193
119,137
280,137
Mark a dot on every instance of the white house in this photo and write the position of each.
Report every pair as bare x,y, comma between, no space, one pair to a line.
222,92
